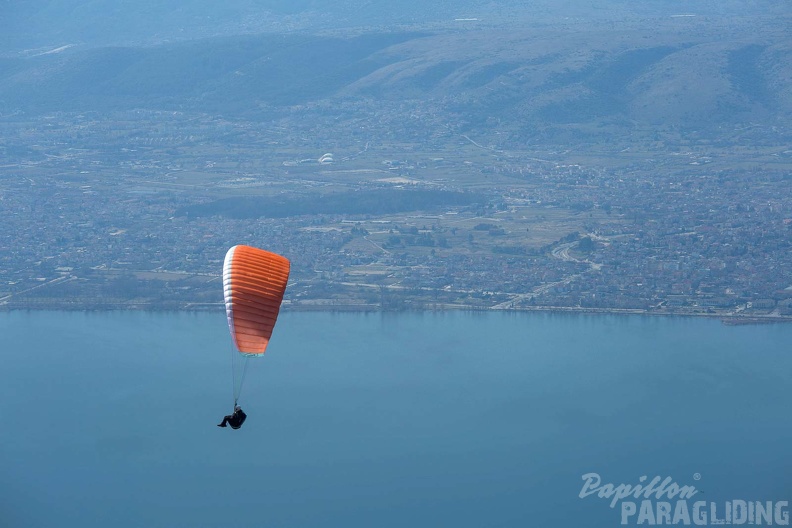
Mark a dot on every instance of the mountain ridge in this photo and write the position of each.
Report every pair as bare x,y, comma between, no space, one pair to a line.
678,74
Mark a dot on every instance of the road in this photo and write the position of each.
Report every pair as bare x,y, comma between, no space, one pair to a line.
561,252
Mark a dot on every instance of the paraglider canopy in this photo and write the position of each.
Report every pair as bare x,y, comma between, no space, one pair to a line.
254,282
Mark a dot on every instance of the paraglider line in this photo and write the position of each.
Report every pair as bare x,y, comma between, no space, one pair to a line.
242,382
237,387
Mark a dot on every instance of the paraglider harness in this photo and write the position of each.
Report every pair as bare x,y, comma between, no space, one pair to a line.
236,419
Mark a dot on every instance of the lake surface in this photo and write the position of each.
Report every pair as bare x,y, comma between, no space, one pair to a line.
383,420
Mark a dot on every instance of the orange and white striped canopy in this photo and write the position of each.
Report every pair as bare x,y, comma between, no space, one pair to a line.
254,282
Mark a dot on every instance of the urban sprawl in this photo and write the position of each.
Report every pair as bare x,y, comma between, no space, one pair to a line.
115,211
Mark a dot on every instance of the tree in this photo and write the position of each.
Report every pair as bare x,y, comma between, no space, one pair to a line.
586,245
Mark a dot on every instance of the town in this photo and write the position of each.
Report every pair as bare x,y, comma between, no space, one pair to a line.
119,210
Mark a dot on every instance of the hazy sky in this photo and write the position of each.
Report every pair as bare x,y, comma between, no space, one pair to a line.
60,22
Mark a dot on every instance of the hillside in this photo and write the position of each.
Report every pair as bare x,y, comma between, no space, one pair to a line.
685,71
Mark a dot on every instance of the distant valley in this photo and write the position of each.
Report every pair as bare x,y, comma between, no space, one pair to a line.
562,156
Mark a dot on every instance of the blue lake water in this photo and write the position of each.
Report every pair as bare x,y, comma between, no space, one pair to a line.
382,420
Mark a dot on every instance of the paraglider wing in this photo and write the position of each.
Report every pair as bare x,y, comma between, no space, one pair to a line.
254,281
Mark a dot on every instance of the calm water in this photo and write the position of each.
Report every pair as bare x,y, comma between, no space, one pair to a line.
371,420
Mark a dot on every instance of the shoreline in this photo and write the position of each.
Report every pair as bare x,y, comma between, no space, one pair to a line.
727,318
